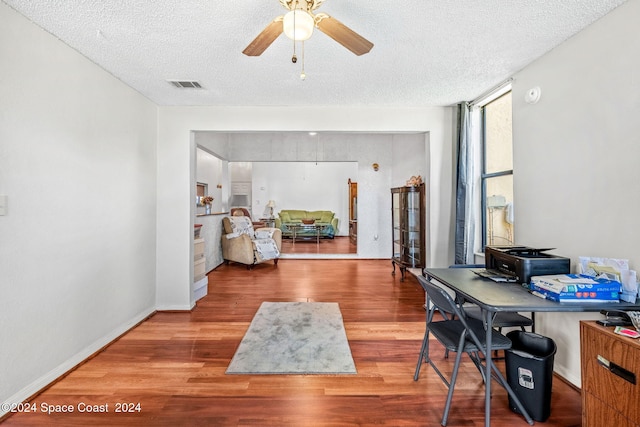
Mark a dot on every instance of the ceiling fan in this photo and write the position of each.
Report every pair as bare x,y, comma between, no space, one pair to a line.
298,25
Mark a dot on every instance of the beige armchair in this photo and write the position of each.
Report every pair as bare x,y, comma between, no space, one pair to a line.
245,212
244,245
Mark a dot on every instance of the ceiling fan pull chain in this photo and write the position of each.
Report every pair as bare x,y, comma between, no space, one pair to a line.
303,75
294,58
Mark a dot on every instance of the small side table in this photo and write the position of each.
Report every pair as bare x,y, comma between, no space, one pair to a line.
269,222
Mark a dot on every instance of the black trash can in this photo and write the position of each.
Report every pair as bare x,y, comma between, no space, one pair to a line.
529,366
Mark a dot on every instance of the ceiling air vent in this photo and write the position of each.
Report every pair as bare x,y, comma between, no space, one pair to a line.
186,84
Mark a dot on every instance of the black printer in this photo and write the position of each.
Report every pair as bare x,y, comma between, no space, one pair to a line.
523,262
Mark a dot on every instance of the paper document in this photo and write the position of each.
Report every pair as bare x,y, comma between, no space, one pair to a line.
495,275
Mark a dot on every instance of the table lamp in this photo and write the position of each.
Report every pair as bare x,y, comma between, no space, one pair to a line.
271,204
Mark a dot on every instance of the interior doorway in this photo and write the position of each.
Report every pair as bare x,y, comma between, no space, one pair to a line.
305,186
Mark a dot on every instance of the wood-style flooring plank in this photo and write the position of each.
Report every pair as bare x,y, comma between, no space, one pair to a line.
173,364
337,245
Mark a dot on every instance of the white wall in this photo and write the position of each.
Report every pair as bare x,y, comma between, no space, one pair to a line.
209,170
77,247
576,151
177,180
305,186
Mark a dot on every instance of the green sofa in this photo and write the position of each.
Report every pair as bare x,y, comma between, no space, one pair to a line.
293,216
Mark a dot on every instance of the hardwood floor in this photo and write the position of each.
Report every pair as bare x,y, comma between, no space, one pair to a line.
173,365
337,245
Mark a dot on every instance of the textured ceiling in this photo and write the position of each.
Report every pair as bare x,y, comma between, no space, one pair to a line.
426,52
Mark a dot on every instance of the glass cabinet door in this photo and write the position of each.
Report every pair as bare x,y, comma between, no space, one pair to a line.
395,213
412,229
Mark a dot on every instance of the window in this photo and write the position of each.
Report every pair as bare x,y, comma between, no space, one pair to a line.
201,189
497,172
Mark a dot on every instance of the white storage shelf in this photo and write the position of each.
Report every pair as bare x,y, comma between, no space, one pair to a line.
200,279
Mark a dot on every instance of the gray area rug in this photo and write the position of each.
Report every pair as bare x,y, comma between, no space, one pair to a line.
294,338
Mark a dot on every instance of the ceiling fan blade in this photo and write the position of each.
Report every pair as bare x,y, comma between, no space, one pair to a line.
343,34
265,38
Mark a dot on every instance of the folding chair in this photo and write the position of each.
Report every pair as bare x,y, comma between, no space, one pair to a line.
457,333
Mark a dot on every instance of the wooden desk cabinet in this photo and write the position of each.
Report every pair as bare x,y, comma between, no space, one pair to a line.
607,398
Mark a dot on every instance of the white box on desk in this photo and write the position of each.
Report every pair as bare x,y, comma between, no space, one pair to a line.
559,283
575,287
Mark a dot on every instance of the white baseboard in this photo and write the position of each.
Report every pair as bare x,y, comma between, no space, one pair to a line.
175,307
567,375
75,360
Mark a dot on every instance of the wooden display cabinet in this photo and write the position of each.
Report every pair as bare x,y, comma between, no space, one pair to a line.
408,221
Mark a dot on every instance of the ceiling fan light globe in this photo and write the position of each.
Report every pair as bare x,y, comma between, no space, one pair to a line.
303,28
